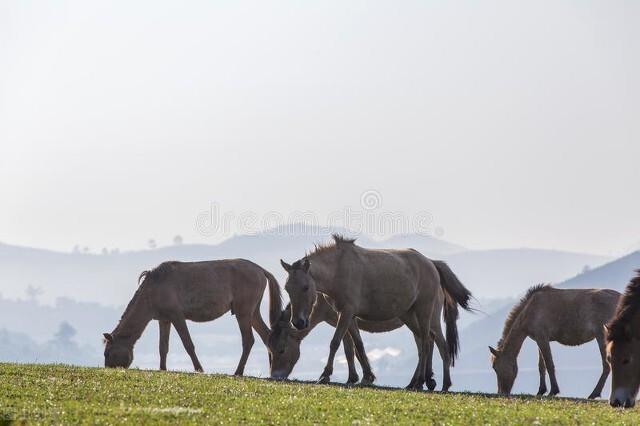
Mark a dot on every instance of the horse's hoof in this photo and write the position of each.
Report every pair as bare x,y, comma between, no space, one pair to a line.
431,384
199,370
594,396
323,380
414,387
554,392
352,380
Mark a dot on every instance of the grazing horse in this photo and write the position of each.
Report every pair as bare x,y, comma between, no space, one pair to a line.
546,314
623,347
284,343
375,285
175,292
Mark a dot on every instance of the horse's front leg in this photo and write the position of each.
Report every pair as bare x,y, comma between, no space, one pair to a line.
605,368
180,324
165,330
349,355
545,350
542,370
344,319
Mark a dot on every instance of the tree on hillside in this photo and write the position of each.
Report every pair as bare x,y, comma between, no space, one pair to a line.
33,293
177,240
65,333
152,243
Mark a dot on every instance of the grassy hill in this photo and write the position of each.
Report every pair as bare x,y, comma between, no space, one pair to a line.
62,395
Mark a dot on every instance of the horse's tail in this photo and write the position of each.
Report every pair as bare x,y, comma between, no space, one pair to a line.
275,298
455,293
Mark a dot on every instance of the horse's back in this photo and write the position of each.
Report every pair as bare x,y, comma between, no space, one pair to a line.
206,290
392,280
570,316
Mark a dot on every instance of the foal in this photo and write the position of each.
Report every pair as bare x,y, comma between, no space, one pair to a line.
547,314
198,291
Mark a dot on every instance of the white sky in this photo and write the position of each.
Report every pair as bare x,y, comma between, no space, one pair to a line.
513,123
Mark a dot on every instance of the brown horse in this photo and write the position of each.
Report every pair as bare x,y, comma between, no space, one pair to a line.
375,285
546,314
198,291
623,347
284,343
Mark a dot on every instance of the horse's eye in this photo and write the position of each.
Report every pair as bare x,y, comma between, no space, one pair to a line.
306,289
626,361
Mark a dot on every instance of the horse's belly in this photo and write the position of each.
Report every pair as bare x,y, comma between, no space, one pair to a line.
385,307
203,309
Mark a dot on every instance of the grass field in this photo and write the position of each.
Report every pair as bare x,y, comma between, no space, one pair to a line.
62,394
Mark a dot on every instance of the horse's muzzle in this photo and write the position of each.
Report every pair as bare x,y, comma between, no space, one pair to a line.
300,323
622,398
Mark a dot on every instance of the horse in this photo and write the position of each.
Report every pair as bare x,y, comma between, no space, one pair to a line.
284,343
375,285
546,314
623,347
175,292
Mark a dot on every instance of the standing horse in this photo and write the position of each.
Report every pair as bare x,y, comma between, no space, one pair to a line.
546,314
375,285
623,347
284,343
198,291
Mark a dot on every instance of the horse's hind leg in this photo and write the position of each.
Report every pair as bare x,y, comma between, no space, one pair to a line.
349,354
180,325
165,330
429,380
545,349
605,368
441,343
412,324
367,374
244,322
543,374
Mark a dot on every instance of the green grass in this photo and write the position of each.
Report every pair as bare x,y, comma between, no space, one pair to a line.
62,394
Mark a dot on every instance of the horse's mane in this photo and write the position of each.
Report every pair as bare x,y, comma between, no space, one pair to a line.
324,247
517,309
145,277
628,307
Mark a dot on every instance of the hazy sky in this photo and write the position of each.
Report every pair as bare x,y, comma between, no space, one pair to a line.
512,123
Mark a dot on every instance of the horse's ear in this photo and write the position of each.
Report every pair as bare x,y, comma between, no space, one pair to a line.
285,265
606,329
108,337
493,351
306,265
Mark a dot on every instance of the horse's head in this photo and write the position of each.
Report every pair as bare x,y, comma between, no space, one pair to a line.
283,346
623,355
506,368
118,352
302,292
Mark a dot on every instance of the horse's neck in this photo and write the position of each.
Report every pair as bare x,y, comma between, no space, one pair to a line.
323,267
514,340
135,321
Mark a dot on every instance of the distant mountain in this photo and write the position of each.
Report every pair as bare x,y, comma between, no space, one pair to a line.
506,273
615,275
111,278
427,245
